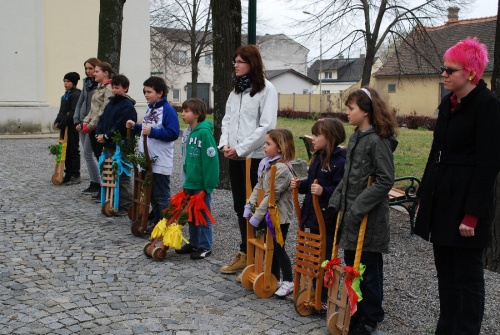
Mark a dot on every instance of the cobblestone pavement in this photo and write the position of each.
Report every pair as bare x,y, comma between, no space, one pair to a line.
68,269
65,268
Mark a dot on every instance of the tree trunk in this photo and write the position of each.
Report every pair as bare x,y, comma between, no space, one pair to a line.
492,254
227,37
110,32
367,66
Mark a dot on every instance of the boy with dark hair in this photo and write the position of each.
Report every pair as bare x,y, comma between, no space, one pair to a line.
114,118
161,125
65,119
201,168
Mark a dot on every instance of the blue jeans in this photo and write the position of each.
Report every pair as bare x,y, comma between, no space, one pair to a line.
372,286
461,290
160,194
201,236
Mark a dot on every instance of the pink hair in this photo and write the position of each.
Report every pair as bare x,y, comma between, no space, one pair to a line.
469,53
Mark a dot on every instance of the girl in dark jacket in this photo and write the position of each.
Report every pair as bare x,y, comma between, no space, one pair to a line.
369,153
457,189
327,166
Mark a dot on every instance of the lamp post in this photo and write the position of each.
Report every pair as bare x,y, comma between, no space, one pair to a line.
320,60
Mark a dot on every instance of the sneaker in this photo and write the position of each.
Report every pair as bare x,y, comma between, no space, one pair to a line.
185,249
239,263
285,289
66,178
93,188
324,308
73,181
201,253
97,196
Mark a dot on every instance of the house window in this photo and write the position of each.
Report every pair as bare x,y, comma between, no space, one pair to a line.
305,91
176,95
325,91
391,88
328,75
208,59
179,56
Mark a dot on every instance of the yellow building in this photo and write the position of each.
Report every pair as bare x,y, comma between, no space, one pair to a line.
42,40
412,81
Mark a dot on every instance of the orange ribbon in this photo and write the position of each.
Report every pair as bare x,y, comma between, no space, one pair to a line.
196,208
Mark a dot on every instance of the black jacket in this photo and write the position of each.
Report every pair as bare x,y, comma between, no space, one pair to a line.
328,179
67,109
461,170
114,118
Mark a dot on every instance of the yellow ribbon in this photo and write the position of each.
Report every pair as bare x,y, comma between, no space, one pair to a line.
173,236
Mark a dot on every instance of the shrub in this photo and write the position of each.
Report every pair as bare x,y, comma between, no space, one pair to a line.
412,121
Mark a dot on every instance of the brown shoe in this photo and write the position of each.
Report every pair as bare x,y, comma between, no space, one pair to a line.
239,263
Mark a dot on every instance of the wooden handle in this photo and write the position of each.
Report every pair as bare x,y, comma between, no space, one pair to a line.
146,151
272,195
296,204
361,235
248,183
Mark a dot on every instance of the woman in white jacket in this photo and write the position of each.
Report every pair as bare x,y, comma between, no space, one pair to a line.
251,111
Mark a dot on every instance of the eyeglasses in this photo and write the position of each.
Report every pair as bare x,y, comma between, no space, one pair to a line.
239,62
448,70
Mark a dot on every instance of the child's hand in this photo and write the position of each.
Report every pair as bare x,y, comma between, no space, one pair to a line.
254,221
130,124
295,182
248,211
100,138
316,189
86,129
146,129
78,127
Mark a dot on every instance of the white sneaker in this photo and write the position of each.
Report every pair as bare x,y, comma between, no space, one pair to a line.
285,289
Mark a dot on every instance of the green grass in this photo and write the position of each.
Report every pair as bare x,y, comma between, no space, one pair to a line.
409,158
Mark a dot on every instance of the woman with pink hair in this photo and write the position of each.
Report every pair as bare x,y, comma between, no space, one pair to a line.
457,190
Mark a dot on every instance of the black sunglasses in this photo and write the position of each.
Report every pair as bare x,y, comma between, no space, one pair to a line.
448,70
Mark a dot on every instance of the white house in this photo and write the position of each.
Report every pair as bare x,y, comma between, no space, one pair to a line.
170,59
339,74
42,40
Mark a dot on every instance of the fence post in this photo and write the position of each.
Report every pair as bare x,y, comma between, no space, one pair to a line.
310,102
293,102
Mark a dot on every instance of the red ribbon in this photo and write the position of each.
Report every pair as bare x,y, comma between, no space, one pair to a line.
196,207
329,275
353,296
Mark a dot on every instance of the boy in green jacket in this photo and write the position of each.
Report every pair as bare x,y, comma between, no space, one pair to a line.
201,169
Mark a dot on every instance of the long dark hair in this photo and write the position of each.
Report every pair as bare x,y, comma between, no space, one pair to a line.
251,54
334,133
381,119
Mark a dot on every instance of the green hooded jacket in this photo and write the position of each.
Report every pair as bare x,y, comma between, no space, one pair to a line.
201,164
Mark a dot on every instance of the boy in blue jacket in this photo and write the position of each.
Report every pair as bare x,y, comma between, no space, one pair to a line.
201,168
114,118
161,125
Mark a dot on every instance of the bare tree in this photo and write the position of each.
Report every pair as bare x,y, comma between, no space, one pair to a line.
179,24
384,20
110,32
227,37
492,254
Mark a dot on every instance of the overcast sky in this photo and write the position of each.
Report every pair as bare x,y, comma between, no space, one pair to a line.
275,17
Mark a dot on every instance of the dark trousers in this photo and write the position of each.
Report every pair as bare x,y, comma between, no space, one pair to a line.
96,146
281,261
237,177
461,290
372,286
160,194
72,163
